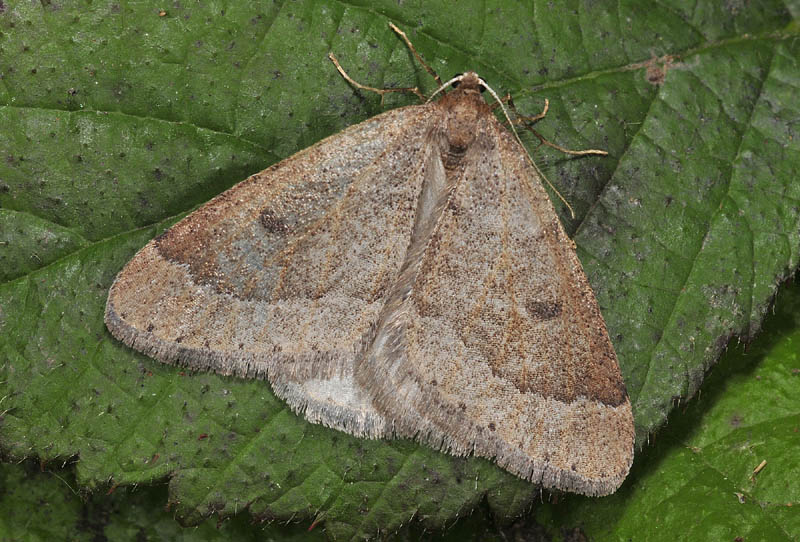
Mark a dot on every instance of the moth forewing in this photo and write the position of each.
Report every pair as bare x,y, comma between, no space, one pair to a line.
405,277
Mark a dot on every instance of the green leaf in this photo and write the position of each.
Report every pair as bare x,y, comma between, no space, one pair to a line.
698,480
117,119
695,482
41,503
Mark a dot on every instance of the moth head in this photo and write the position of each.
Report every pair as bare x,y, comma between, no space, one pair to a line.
468,81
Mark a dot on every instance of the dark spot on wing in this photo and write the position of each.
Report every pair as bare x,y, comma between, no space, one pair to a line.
543,310
272,222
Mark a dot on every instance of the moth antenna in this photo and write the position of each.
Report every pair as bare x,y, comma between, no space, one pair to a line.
527,154
416,54
443,86
506,100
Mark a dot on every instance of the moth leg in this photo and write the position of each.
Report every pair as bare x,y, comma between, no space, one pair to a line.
525,119
528,121
505,100
416,54
381,91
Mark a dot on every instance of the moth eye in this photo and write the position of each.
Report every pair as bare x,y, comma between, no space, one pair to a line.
457,82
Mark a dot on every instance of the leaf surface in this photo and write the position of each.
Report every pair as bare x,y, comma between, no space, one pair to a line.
120,118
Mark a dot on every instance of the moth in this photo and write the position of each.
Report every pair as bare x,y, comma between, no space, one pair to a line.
406,277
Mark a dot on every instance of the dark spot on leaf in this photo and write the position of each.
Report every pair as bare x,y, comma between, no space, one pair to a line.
655,75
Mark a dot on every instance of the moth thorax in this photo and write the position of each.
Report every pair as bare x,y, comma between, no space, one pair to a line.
462,123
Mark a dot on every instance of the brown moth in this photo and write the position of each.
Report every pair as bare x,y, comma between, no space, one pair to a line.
406,277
